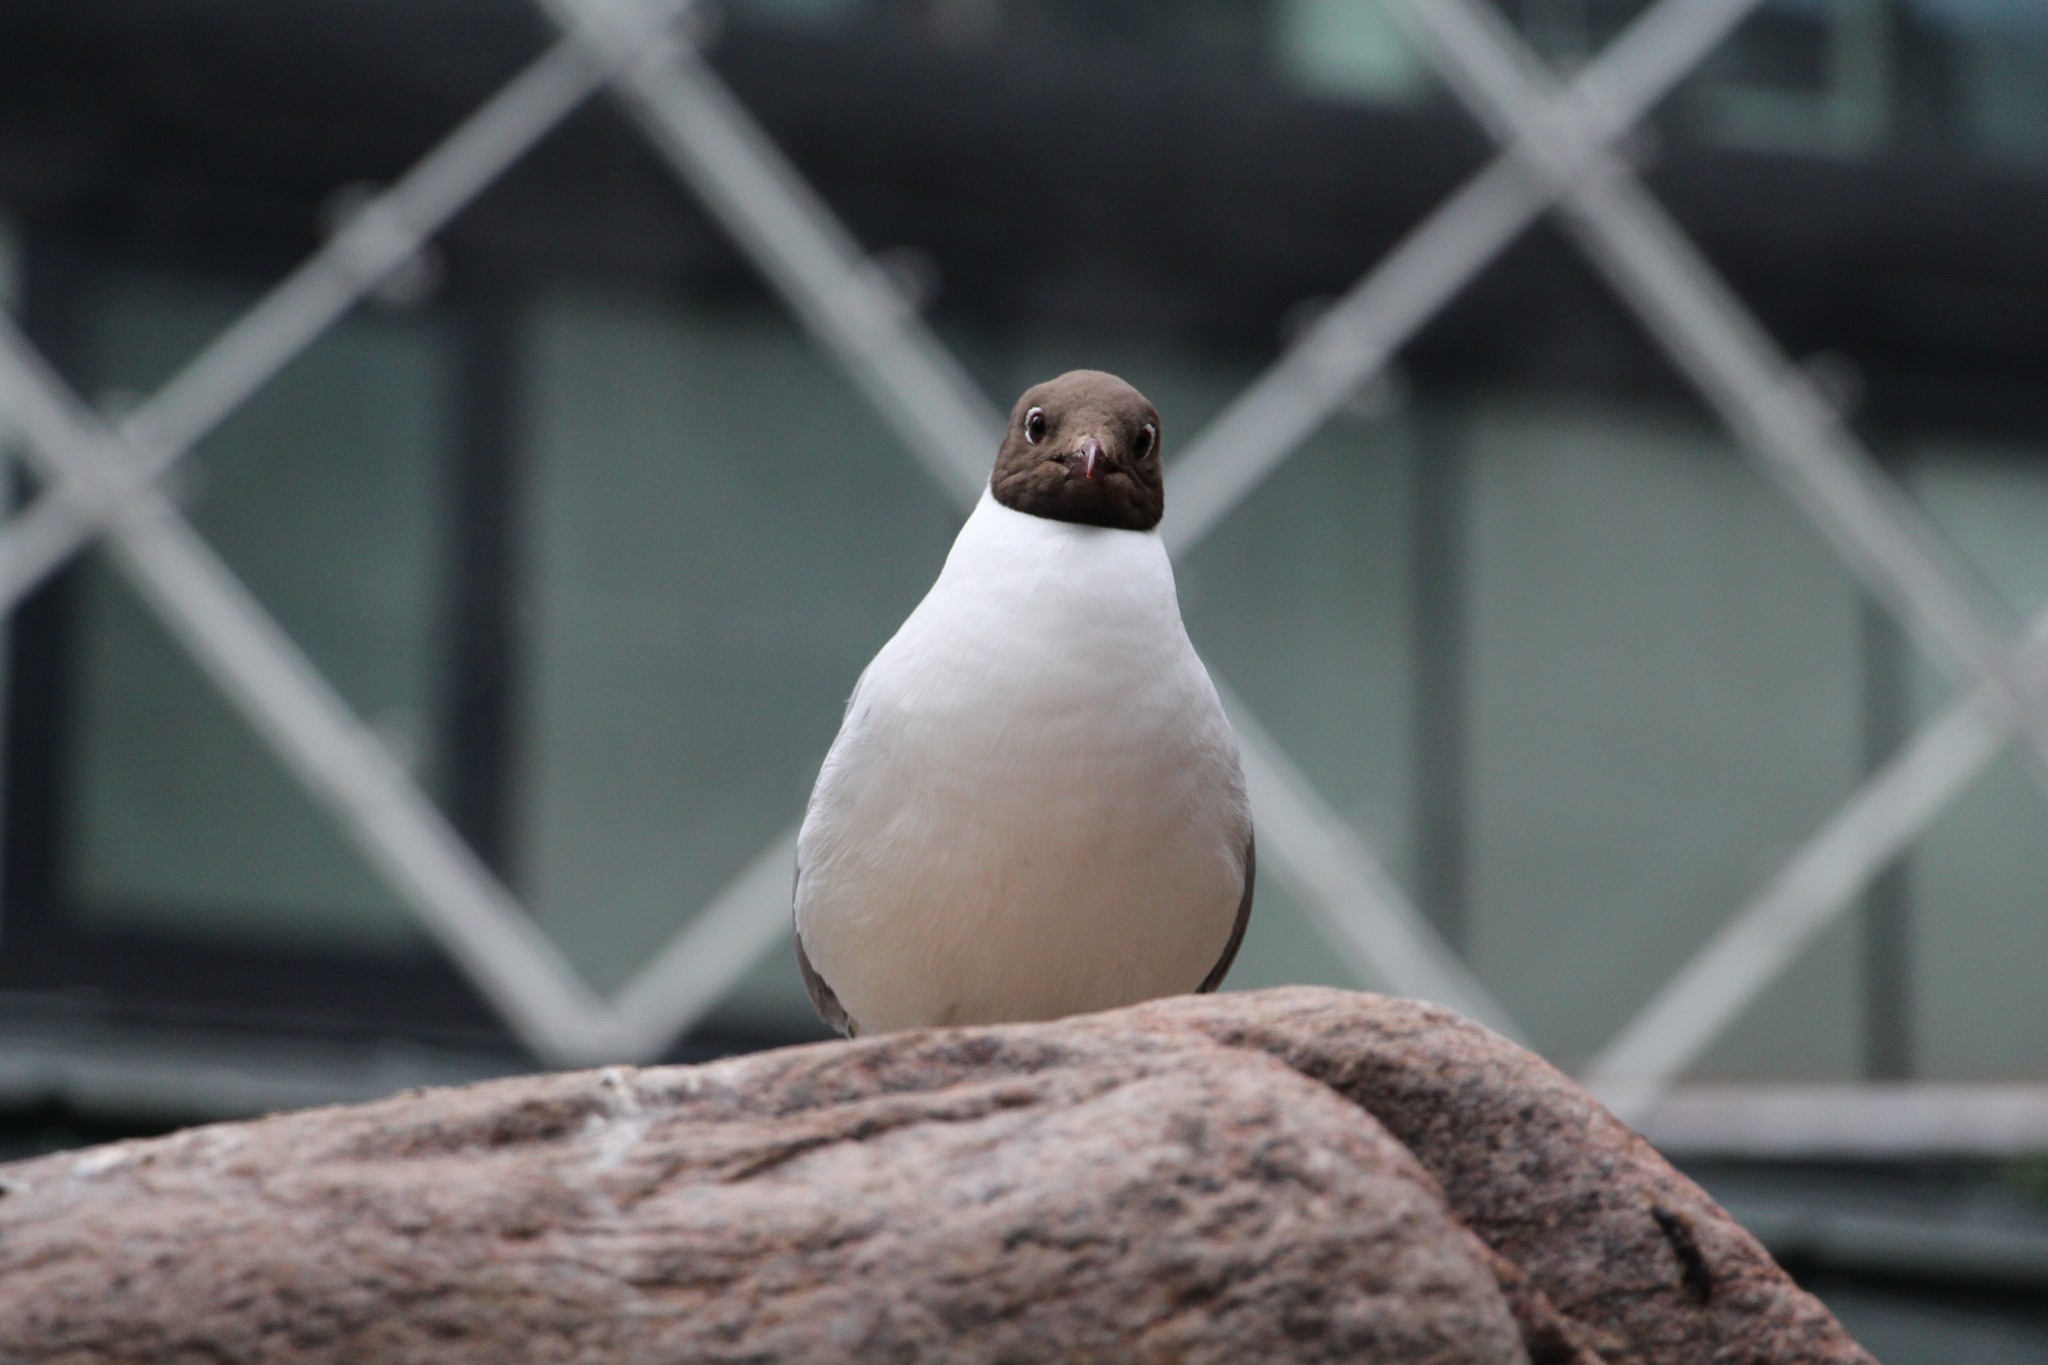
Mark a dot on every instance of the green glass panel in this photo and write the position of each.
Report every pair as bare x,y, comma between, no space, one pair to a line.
1978,947
720,534
1666,692
1346,49
324,495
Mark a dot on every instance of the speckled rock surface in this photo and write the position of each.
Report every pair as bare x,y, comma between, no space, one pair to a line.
1634,1256
1298,1175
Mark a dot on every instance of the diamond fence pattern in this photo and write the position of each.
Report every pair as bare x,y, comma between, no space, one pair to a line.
1560,152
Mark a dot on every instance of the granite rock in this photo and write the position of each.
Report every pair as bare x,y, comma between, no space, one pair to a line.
1296,1175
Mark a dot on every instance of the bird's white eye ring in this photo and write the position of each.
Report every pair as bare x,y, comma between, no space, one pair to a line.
1034,425
1148,437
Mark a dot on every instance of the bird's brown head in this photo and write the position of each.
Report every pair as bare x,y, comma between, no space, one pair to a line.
1083,447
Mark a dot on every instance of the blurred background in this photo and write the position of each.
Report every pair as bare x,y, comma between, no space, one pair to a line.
573,514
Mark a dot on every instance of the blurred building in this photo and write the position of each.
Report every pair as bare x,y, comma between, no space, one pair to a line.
577,518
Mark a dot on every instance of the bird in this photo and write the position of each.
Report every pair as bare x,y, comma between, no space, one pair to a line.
1034,806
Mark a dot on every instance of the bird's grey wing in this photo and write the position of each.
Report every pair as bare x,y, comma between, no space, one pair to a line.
1244,914
822,999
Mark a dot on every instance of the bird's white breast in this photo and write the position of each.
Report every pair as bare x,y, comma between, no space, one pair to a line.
1034,805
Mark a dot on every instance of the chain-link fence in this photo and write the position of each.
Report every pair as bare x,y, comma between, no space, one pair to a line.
1563,151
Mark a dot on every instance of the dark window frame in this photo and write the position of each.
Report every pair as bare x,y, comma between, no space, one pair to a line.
43,946
1958,361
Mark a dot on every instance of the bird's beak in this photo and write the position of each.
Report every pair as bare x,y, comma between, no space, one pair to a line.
1090,452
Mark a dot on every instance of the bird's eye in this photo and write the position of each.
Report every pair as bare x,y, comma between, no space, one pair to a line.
1148,437
1034,425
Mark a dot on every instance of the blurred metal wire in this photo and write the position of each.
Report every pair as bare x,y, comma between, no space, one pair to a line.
1354,340
1558,151
298,714
1772,407
101,480
374,240
862,321
1813,889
